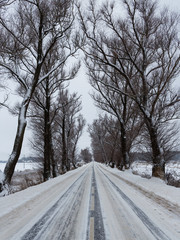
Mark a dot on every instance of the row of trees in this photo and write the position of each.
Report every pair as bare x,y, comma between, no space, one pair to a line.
56,126
132,60
38,43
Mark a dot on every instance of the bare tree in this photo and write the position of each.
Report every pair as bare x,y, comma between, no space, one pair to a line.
117,104
69,126
99,140
43,106
85,155
147,40
28,35
4,96
76,133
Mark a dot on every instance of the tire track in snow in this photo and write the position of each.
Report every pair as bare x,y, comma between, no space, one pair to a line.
156,198
60,217
156,232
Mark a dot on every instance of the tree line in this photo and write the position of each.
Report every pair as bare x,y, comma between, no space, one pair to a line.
132,57
39,44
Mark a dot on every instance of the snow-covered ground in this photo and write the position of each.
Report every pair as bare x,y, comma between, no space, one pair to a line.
172,171
156,201
21,166
21,210
153,185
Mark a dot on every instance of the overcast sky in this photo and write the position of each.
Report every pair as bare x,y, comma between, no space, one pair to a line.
8,123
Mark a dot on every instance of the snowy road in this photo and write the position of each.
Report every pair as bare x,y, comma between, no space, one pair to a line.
89,203
128,214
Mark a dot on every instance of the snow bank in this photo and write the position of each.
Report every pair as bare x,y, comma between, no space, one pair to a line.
154,186
143,169
172,171
13,201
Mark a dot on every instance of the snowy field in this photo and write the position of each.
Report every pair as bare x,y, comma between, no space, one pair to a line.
21,166
172,171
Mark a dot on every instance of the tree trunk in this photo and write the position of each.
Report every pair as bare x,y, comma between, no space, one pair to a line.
55,172
158,160
125,159
13,159
47,153
64,148
104,156
47,136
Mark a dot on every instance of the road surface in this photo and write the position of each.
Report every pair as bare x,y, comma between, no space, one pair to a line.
91,203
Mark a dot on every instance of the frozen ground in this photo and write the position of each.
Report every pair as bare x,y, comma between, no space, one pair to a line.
75,207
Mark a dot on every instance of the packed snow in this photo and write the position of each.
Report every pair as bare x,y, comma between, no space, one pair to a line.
157,204
153,185
21,210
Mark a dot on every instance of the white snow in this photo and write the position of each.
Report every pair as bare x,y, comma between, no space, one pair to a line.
1,176
23,209
154,185
21,166
144,169
173,168
13,201
19,211
158,201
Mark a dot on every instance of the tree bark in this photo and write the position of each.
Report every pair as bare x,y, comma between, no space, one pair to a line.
13,159
64,147
55,172
157,157
47,147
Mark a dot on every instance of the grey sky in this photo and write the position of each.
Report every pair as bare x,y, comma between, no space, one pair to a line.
80,84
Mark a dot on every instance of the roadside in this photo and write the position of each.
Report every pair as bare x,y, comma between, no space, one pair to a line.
154,188
131,213
26,207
